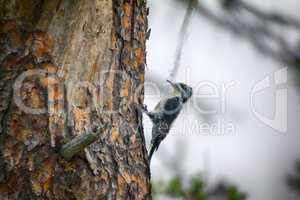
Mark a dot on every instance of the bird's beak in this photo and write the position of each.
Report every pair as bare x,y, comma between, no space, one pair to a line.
173,84
175,87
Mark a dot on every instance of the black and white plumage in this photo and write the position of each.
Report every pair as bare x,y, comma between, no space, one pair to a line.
165,113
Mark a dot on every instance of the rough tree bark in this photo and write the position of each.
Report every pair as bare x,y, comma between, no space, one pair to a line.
83,63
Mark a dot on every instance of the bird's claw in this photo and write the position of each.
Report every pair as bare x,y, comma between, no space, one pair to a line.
142,108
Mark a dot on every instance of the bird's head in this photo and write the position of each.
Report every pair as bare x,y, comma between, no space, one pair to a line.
182,90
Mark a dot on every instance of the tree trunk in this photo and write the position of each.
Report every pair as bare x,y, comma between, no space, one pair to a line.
67,68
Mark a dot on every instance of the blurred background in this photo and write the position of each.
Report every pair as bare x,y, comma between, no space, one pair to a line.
238,138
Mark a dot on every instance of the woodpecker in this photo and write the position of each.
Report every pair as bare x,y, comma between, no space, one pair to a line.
165,113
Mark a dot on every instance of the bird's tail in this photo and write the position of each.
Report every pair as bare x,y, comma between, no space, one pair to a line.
152,149
154,146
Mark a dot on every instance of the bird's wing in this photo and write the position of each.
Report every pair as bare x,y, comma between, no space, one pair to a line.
172,105
158,107
168,104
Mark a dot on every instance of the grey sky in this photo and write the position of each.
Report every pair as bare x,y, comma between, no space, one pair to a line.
255,156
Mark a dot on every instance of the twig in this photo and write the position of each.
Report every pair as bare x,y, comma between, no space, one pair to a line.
182,36
259,33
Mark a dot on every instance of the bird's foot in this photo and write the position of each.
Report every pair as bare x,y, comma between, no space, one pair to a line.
142,108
